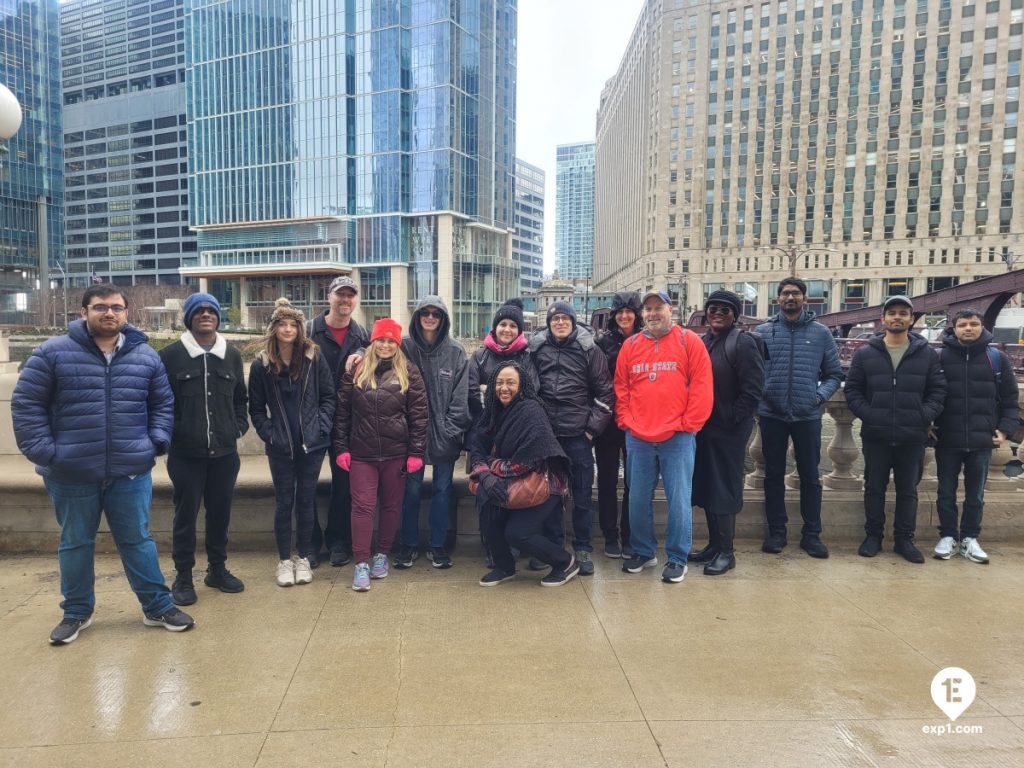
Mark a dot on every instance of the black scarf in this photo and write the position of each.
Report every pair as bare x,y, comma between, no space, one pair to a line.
523,434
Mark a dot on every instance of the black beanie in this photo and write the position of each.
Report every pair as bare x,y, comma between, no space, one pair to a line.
561,308
725,297
512,310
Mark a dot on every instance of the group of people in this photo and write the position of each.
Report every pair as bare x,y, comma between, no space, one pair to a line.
535,414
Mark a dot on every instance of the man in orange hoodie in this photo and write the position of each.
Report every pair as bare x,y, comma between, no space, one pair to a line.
664,394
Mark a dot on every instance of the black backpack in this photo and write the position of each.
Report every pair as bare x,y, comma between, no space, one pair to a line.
732,340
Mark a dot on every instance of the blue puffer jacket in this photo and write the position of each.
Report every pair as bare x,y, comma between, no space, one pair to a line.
802,370
82,421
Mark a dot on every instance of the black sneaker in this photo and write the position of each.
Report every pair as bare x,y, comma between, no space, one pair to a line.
557,578
405,557
910,553
637,563
537,564
814,547
612,549
870,547
495,577
314,560
219,577
183,591
173,620
439,558
340,556
67,631
774,544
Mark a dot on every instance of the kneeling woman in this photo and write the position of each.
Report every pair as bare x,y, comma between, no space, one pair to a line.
512,438
380,433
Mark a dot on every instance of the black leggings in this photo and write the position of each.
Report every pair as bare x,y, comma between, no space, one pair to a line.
295,488
521,528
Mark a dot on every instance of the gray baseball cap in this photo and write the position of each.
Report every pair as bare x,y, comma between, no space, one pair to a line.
343,281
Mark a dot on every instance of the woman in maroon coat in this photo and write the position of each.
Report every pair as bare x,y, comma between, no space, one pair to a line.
380,433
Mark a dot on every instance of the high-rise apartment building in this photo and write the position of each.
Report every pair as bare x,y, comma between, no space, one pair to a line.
31,182
574,210
125,156
375,139
869,145
528,237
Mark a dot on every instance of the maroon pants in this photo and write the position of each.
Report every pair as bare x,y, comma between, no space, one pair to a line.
372,480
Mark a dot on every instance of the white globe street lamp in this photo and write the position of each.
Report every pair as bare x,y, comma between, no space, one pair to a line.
10,116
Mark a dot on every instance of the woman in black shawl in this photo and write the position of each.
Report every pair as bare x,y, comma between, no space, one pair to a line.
514,431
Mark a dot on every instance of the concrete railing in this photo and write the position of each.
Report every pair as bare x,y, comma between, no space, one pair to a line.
26,518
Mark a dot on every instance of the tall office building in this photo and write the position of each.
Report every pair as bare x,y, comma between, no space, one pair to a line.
31,182
528,237
870,145
368,138
574,210
125,155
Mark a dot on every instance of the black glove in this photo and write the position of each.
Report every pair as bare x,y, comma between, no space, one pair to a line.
493,487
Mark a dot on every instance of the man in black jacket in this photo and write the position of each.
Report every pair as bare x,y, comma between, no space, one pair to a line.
210,415
338,336
896,388
576,390
981,410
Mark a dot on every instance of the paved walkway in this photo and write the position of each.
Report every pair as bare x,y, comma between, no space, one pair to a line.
785,662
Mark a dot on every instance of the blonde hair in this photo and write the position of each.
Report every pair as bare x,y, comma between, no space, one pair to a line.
269,344
365,377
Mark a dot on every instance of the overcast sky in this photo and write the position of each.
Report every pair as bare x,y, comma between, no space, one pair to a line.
567,50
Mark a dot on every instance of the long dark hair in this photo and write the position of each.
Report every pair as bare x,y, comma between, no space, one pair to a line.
493,408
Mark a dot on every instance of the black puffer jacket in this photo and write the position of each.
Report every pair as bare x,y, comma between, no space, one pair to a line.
334,354
575,385
895,407
316,409
482,365
382,423
975,407
611,338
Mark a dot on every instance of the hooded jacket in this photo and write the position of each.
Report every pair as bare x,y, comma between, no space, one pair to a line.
445,370
663,384
803,369
975,406
335,355
381,423
611,338
898,406
82,420
316,405
210,397
575,386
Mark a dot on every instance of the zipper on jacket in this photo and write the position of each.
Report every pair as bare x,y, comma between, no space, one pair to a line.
206,400
967,407
302,399
108,419
284,418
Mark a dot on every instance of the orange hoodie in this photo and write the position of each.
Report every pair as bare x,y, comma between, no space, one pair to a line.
664,385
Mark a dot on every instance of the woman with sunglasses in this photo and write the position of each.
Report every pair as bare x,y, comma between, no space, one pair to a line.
380,433
291,402
738,369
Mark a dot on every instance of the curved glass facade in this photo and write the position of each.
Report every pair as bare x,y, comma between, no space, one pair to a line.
382,113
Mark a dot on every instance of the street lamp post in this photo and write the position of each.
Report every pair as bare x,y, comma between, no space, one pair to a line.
64,284
792,255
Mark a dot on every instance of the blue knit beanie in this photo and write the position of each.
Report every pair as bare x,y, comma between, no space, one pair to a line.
194,302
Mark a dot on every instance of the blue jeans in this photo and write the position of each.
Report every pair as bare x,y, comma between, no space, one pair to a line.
125,501
672,459
440,495
975,465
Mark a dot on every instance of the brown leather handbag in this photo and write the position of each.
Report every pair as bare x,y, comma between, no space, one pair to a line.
524,491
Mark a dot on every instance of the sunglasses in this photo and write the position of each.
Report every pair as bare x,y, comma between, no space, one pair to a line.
718,309
207,311
102,309
430,313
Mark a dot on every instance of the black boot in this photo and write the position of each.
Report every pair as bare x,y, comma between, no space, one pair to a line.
219,577
708,552
183,592
725,560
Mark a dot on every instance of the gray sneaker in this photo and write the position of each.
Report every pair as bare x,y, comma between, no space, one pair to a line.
172,620
586,564
674,572
67,631
637,563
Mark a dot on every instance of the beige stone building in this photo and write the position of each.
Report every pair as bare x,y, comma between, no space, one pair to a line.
869,145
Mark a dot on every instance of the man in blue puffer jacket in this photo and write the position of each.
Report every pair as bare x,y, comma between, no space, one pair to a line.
91,410
802,372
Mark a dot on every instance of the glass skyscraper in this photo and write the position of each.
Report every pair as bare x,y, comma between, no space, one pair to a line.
528,239
574,210
31,182
369,137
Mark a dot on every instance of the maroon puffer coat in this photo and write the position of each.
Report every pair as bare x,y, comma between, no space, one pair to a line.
381,423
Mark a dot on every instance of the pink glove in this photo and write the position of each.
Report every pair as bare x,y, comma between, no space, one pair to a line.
344,461
412,464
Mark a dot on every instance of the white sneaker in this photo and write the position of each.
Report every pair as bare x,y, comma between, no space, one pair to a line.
303,573
971,549
946,548
285,573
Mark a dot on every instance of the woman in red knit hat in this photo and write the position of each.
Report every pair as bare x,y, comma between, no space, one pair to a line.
380,433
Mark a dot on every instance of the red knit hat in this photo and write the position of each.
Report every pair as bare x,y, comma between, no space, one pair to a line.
386,328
